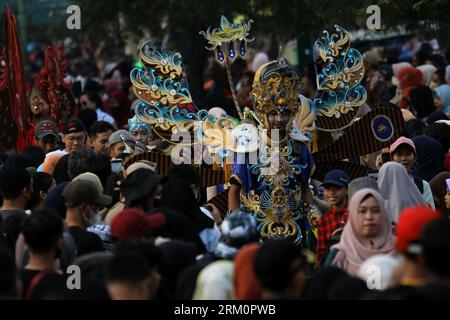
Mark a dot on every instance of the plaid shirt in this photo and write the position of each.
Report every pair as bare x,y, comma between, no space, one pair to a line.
331,221
104,232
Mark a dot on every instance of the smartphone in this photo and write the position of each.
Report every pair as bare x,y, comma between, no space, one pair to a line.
385,157
116,165
448,184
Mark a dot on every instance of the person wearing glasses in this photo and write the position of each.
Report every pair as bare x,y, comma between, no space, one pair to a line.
74,137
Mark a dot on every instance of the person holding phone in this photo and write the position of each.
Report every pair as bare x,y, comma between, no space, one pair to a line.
120,142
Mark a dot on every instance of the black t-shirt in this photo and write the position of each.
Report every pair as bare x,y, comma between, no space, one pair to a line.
50,285
10,227
60,173
85,241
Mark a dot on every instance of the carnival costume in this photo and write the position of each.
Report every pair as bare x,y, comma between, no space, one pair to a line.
320,134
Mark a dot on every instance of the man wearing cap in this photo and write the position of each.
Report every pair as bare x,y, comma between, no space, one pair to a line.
46,135
403,151
132,223
83,200
330,225
142,189
120,142
74,138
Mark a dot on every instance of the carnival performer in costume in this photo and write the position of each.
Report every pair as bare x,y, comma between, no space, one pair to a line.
142,132
271,187
265,158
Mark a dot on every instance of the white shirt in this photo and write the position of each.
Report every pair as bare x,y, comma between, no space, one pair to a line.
209,236
103,116
427,194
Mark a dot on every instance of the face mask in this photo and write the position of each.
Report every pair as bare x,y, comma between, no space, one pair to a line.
92,218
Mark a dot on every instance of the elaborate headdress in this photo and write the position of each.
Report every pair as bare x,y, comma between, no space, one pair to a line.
51,95
134,123
340,70
276,88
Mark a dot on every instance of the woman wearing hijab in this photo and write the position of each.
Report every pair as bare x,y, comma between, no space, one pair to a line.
427,73
396,68
397,189
430,157
440,190
368,232
246,284
443,92
408,78
421,102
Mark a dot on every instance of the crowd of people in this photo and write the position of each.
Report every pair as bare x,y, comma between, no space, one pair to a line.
68,201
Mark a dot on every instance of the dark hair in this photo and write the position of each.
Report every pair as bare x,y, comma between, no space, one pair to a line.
185,172
42,229
152,255
422,101
95,98
423,55
436,245
413,127
12,181
128,267
100,165
435,116
92,86
112,186
7,273
100,127
438,61
42,181
88,117
347,288
277,276
18,160
34,155
78,162
441,76
322,281
440,132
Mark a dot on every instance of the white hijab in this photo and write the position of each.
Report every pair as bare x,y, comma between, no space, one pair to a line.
397,189
427,72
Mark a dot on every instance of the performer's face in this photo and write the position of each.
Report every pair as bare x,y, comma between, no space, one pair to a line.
141,135
279,121
47,143
74,141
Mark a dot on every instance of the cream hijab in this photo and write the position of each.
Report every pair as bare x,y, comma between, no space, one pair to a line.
353,248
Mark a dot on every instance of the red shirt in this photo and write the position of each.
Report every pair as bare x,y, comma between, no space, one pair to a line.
331,221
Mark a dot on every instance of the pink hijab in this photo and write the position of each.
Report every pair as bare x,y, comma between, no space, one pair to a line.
353,249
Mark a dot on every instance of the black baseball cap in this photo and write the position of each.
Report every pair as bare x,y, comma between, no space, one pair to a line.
45,128
73,125
337,178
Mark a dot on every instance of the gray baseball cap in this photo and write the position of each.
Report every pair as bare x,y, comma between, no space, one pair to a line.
119,136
